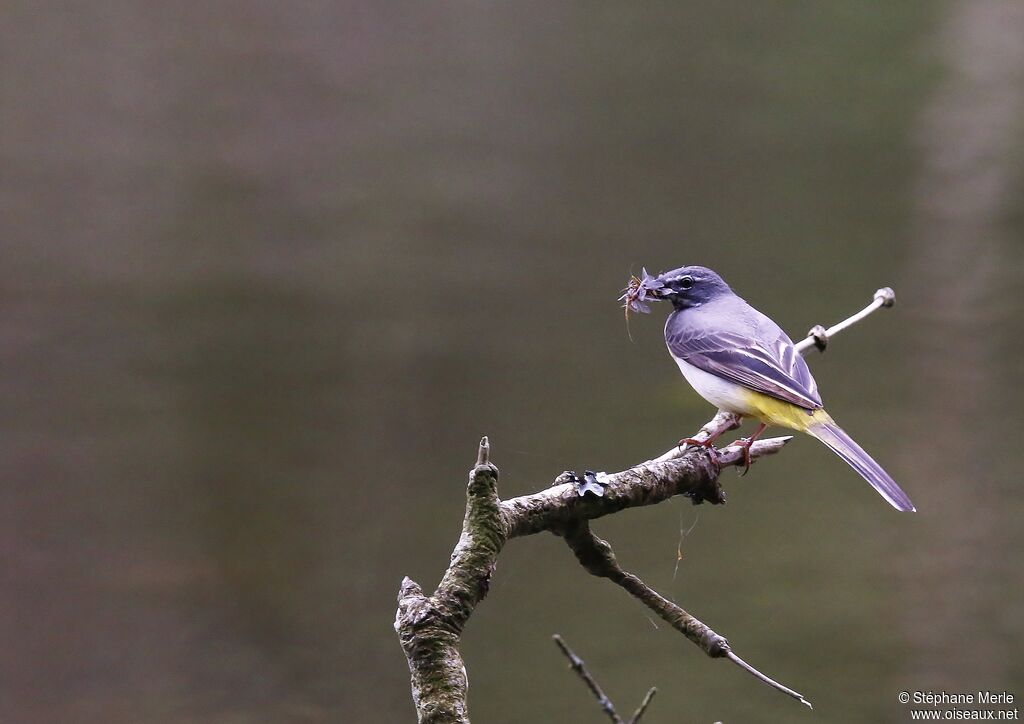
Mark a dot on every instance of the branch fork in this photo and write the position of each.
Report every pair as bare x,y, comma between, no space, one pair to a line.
577,665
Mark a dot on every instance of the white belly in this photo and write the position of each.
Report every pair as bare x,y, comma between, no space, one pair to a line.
721,393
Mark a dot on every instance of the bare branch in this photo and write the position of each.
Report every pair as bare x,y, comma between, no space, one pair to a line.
819,337
693,474
643,706
429,627
768,680
596,555
577,665
483,453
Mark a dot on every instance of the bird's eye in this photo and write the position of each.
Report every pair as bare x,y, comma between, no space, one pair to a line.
686,282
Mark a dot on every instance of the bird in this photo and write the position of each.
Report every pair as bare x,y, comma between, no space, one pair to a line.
741,361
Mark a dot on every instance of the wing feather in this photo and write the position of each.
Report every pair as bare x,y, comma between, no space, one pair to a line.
762,359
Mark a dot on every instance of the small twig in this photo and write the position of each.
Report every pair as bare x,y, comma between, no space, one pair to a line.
643,706
766,679
577,665
818,336
483,453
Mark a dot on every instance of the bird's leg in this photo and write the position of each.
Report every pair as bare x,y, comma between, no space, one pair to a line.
708,443
714,430
745,443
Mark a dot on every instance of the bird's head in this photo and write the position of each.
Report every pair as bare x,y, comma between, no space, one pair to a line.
686,287
689,286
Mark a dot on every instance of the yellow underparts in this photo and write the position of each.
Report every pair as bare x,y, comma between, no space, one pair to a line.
774,411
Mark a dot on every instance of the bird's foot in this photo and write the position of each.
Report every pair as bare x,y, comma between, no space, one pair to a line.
687,441
708,444
745,443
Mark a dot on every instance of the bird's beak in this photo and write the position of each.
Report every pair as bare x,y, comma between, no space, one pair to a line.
656,289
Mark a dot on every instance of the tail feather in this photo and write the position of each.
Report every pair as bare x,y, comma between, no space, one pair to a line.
843,445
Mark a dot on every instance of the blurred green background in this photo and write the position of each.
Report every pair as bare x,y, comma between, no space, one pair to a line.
269,270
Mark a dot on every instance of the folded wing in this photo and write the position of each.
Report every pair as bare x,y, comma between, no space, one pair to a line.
763,360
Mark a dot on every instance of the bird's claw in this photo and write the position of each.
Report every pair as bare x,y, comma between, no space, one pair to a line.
708,444
687,441
745,443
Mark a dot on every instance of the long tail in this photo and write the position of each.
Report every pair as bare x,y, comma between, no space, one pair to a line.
843,445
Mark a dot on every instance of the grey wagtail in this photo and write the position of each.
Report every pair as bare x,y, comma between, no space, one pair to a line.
742,362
